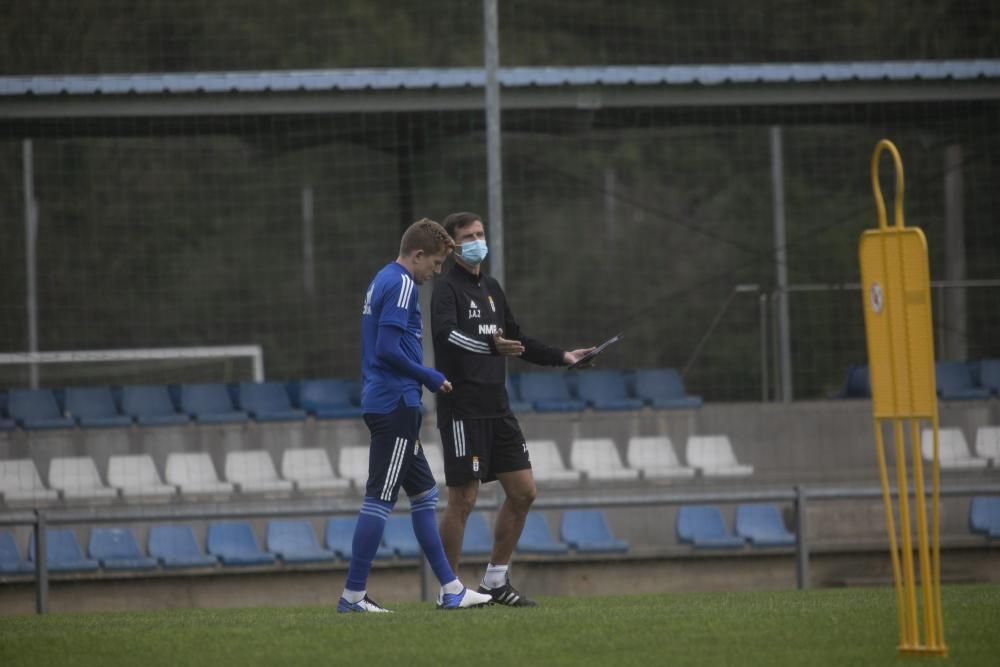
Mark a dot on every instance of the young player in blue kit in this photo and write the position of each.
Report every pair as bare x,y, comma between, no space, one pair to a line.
392,374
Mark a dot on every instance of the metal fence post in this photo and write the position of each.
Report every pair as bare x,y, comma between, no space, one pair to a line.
41,564
801,540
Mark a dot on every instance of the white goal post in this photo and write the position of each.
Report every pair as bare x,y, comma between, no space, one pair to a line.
254,352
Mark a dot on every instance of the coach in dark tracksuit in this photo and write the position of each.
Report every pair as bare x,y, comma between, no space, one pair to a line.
474,330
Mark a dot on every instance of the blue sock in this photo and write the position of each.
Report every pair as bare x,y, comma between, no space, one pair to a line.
367,537
425,528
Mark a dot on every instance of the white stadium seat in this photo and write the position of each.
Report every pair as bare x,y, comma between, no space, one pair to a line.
194,474
547,464
434,454
353,465
20,484
655,457
713,455
988,443
953,451
311,471
76,478
136,477
253,470
598,458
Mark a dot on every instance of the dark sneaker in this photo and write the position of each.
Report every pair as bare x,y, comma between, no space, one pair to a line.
507,595
365,605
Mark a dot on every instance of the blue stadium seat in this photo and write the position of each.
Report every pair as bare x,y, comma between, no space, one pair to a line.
762,525
295,542
536,538
663,388
514,394
177,548
6,423
989,375
235,544
93,407
702,526
587,531
329,399
10,558
117,549
984,516
267,402
400,538
209,404
63,552
606,390
36,410
477,540
548,392
340,536
858,383
954,382
150,405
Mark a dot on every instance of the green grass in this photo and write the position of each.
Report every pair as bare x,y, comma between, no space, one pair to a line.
823,627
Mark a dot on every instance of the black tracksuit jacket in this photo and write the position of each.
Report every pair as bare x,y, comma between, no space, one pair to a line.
466,310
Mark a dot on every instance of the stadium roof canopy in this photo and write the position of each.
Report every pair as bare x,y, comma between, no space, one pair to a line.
403,90
402,105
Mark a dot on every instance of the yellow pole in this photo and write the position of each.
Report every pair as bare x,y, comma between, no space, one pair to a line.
909,584
926,584
891,528
936,527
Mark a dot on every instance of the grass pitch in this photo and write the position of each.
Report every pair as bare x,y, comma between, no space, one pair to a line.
822,627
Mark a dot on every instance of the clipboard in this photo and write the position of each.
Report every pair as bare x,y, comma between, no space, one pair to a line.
588,358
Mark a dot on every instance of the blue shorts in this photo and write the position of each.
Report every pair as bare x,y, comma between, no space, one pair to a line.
396,458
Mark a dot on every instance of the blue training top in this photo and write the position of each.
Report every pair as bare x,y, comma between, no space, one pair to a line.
391,351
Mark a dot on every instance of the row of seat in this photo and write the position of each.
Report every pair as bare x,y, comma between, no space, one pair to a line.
309,470
648,457
165,405
760,525
955,380
290,541
294,542
953,449
134,477
217,403
600,390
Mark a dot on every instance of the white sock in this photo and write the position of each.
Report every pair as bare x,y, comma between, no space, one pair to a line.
496,576
353,596
453,587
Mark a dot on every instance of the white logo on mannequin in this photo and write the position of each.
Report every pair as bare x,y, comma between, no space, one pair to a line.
877,298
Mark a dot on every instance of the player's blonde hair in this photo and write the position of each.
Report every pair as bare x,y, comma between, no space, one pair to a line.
426,235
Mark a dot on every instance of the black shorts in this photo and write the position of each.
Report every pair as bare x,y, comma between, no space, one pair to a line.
481,448
396,458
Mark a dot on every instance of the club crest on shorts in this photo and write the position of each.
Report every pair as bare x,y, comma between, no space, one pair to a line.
475,464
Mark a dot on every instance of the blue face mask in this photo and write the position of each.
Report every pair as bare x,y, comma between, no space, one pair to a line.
473,252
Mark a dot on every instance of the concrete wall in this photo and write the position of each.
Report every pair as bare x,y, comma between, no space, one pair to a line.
663,572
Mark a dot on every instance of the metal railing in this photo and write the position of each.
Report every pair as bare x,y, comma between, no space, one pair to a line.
799,496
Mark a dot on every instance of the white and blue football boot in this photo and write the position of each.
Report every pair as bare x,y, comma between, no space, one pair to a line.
467,599
366,605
